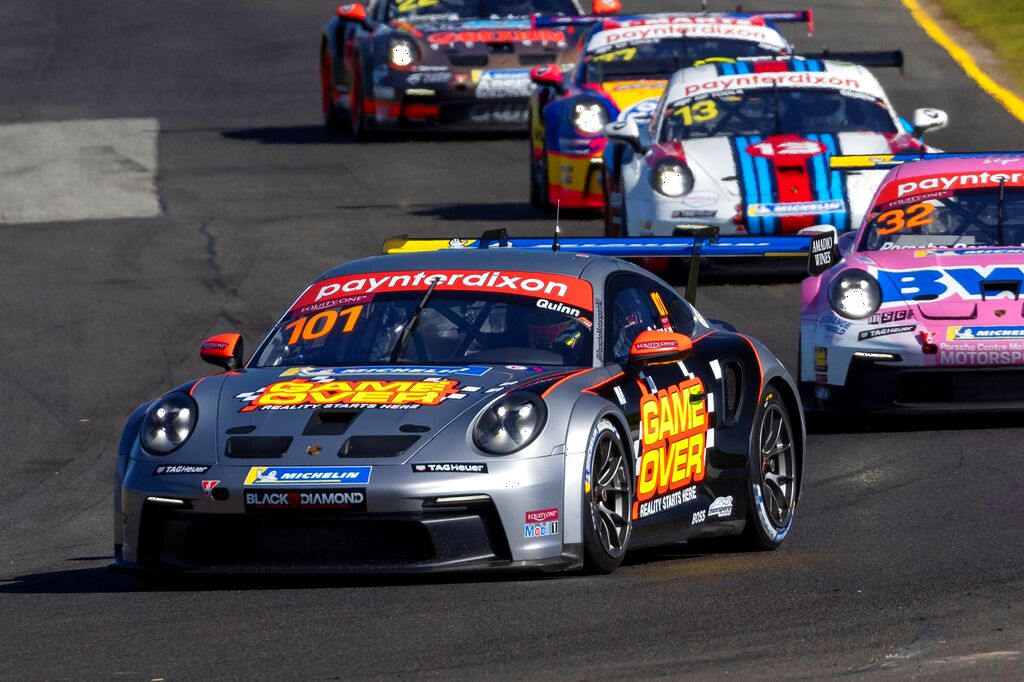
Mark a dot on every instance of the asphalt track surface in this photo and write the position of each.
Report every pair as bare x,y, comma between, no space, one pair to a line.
906,557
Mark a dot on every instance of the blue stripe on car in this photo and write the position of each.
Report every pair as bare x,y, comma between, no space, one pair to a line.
837,187
764,181
747,181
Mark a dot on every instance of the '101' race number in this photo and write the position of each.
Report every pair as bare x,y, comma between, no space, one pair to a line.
314,326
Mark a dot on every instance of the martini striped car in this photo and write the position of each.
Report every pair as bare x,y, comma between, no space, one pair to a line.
745,145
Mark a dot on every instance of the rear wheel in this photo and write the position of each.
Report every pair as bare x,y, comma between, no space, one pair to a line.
773,475
607,492
772,481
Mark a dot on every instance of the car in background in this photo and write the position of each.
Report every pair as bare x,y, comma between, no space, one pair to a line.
923,312
400,64
472,408
623,69
744,145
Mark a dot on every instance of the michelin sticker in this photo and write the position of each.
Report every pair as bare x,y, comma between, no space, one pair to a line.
796,208
308,476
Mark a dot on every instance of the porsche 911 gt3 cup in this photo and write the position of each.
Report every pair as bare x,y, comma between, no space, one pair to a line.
924,310
453,63
745,145
622,71
472,408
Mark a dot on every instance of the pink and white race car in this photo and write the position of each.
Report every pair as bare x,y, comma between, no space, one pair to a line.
923,310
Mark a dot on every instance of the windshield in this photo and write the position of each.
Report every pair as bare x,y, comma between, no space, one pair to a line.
453,328
480,9
662,57
767,111
965,219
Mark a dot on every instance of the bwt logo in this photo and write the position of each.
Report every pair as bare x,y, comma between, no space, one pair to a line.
935,284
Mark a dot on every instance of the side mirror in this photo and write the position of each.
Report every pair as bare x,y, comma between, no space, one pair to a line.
600,7
658,346
223,350
928,119
548,76
352,12
627,132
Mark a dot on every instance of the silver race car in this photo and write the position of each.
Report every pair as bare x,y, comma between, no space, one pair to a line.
465,409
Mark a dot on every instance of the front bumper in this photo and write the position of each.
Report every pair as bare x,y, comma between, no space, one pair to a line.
574,180
401,101
652,215
882,386
167,523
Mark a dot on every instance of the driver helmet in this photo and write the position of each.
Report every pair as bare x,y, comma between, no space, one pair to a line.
820,107
551,330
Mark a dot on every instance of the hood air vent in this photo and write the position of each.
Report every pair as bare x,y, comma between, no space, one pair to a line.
258,447
329,422
376,446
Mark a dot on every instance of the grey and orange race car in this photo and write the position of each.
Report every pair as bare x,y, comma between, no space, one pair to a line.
455,63
469,408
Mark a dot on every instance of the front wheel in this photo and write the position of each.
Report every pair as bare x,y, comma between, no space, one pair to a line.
607,494
334,119
539,191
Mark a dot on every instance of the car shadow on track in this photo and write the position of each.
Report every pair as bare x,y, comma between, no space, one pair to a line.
501,213
318,134
103,580
824,424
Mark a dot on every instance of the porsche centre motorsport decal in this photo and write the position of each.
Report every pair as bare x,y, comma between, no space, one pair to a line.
328,392
674,436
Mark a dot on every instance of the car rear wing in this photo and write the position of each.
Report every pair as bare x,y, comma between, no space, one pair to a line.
817,245
886,161
872,58
784,16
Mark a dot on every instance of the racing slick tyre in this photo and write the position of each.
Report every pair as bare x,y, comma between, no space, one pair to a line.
357,105
539,195
334,120
610,228
772,481
607,494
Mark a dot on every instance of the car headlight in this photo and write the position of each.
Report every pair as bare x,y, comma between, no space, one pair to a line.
168,423
672,178
402,53
510,423
588,117
855,294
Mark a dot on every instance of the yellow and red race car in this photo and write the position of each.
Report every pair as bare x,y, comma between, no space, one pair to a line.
621,73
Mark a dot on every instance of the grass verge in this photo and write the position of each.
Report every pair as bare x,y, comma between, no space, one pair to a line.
997,23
